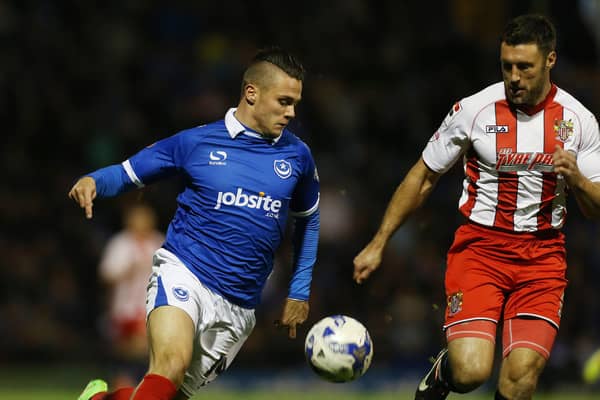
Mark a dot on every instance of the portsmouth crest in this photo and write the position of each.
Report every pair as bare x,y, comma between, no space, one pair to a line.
282,168
455,302
563,129
181,293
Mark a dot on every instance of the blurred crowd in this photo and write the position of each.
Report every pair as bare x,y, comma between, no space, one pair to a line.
86,84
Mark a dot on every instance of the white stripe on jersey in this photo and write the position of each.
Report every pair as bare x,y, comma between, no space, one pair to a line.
131,173
309,211
529,193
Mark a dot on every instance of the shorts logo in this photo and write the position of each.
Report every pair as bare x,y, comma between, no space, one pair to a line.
282,168
455,302
181,293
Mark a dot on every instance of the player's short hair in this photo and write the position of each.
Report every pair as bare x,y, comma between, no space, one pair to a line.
531,28
287,62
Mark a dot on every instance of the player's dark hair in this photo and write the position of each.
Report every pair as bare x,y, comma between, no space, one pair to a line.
258,72
282,59
531,28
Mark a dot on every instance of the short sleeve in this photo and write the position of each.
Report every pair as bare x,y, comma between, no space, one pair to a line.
450,141
588,155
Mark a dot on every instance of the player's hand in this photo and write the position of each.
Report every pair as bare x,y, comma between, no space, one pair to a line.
83,193
367,261
294,313
565,164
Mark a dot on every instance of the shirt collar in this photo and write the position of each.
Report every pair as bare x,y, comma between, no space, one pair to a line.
235,127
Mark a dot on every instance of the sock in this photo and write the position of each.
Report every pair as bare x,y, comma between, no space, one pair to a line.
120,394
155,387
498,396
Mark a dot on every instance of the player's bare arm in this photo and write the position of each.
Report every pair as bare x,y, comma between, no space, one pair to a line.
84,193
295,312
587,193
409,196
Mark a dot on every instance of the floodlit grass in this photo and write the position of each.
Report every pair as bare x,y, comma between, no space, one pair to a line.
59,382
278,395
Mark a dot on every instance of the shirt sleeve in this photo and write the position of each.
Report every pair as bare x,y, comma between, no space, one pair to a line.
305,241
156,161
588,156
450,141
305,199
159,160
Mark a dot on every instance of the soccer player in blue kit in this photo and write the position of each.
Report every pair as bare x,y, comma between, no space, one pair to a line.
243,175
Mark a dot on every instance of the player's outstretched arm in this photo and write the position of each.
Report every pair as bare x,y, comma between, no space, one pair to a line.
410,195
84,193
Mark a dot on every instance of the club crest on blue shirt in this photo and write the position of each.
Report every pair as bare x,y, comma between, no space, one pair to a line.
282,168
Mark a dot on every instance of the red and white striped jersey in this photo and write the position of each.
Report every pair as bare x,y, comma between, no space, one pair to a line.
507,156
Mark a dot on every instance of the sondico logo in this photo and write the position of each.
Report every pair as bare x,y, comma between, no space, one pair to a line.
217,157
241,199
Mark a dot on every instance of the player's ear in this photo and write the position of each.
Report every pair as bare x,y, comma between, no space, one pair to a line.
250,93
551,59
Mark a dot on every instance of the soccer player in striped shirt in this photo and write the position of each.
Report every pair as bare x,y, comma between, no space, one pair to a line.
524,143
243,175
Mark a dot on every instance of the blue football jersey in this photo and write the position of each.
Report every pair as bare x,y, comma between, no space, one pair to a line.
239,189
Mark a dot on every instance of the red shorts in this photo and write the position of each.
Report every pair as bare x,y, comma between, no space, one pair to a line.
495,276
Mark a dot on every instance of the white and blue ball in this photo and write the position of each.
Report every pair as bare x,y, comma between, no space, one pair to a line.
339,348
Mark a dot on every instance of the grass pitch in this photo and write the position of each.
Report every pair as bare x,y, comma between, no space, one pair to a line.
49,394
54,382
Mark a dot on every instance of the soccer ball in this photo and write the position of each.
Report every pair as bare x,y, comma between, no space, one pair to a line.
338,348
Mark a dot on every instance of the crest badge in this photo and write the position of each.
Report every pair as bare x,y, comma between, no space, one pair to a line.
455,302
282,168
563,129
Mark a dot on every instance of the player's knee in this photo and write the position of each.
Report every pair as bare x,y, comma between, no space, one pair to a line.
522,377
468,373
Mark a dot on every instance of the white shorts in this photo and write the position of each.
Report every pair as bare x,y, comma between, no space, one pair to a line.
221,327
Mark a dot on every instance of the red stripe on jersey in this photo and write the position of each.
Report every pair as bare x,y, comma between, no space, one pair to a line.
472,173
552,113
508,182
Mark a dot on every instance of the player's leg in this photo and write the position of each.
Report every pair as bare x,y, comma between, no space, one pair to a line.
474,288
465,365
526,348
218,342
532,316
173,315
470,362
171,336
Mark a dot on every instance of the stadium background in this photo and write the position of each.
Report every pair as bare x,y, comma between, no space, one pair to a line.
85,84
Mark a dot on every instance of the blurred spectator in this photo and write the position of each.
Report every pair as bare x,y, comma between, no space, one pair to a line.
125,267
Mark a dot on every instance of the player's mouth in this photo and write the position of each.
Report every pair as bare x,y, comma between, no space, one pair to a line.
516,91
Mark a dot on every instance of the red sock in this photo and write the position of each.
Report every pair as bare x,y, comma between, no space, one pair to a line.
155,387
121,394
